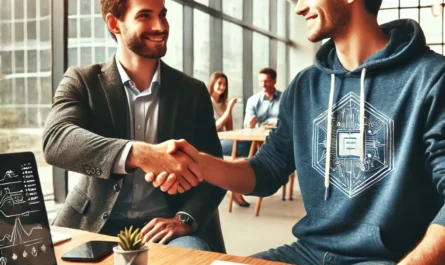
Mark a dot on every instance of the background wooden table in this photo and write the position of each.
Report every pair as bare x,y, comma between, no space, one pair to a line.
256,134
157,255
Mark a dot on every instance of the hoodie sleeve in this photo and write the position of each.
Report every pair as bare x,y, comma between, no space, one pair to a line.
434,140
274,162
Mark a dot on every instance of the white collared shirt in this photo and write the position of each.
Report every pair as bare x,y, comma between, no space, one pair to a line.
138,199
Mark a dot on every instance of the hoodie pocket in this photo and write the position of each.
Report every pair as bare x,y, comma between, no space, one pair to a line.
343,237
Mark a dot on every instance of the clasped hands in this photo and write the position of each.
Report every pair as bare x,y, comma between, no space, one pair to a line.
172,166
178,169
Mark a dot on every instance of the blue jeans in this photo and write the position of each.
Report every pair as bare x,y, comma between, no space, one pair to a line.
304,254
192,242
242,148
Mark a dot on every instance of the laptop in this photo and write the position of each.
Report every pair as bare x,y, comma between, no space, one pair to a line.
25,236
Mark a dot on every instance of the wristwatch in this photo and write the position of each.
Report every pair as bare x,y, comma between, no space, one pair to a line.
185,219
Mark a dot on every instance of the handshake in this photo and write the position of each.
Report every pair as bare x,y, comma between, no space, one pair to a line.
172,165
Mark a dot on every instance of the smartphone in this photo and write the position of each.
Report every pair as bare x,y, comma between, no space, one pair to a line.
90,251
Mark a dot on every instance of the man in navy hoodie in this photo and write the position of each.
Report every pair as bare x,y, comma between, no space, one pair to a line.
365,129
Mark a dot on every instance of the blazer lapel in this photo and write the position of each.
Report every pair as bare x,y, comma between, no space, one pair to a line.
116,97
168,104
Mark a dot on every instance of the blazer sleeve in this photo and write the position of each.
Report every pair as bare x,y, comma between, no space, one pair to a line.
205,198
67,143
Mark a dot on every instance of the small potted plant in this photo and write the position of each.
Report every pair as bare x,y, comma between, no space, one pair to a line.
129,250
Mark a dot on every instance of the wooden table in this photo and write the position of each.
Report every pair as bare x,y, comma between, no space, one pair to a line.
256,135
157,255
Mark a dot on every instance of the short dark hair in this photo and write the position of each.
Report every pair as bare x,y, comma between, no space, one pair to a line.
270,72
117,8
373,6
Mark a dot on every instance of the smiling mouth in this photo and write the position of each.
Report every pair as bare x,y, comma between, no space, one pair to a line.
159,38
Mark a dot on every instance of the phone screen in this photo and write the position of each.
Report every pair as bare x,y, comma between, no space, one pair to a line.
90,251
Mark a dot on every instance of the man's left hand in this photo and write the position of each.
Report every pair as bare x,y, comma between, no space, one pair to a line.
161,230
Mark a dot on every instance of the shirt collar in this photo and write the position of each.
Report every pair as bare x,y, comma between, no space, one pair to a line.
275,95
125,78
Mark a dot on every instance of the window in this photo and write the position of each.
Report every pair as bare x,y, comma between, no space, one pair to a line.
233,68
261,14
203,2
281,17
25,79
201,48
174,56
233,8
260,58
420,11
89,41
281,67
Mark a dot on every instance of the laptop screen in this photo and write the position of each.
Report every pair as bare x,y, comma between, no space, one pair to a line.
24,229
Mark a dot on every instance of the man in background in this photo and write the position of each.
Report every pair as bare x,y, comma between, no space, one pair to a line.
263,107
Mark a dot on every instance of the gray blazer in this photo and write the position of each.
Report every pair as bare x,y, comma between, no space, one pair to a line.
88,126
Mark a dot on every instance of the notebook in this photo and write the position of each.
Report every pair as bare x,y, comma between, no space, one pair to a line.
24,229
59,237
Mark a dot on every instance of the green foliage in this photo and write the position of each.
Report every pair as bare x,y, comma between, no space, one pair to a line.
129,239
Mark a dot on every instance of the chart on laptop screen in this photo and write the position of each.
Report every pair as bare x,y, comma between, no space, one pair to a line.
24,228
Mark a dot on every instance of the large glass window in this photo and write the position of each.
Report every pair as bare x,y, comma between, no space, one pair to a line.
260,58
281,17
420,11
233,8
174,56
201,48
25,79
233,68
281,67
204,2
89,41
261,16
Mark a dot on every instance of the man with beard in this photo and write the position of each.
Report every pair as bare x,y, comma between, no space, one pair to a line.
365,129
112,122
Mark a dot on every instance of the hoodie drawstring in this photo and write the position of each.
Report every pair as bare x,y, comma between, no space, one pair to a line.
327,177
329,139
362,116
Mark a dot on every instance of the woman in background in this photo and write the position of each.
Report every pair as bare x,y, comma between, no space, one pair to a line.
222,109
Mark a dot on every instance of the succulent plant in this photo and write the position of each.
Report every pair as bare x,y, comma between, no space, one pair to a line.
129,239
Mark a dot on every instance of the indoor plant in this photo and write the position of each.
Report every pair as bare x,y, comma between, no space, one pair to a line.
129,250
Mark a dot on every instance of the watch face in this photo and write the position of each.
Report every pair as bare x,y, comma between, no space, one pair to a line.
185,219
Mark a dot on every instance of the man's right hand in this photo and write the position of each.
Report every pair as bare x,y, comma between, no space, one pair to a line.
253,121
173,169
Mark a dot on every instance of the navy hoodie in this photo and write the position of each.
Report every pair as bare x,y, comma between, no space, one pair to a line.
386,140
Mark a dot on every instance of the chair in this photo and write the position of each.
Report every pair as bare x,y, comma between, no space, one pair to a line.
253,149
291,191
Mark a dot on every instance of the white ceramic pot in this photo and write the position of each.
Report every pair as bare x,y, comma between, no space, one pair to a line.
133,257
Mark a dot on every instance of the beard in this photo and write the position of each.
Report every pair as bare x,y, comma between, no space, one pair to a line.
332,24
137,44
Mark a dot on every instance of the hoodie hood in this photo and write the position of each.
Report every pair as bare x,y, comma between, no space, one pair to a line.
406,40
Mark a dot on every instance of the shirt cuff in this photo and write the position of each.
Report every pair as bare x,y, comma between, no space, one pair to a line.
194,224
121,159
